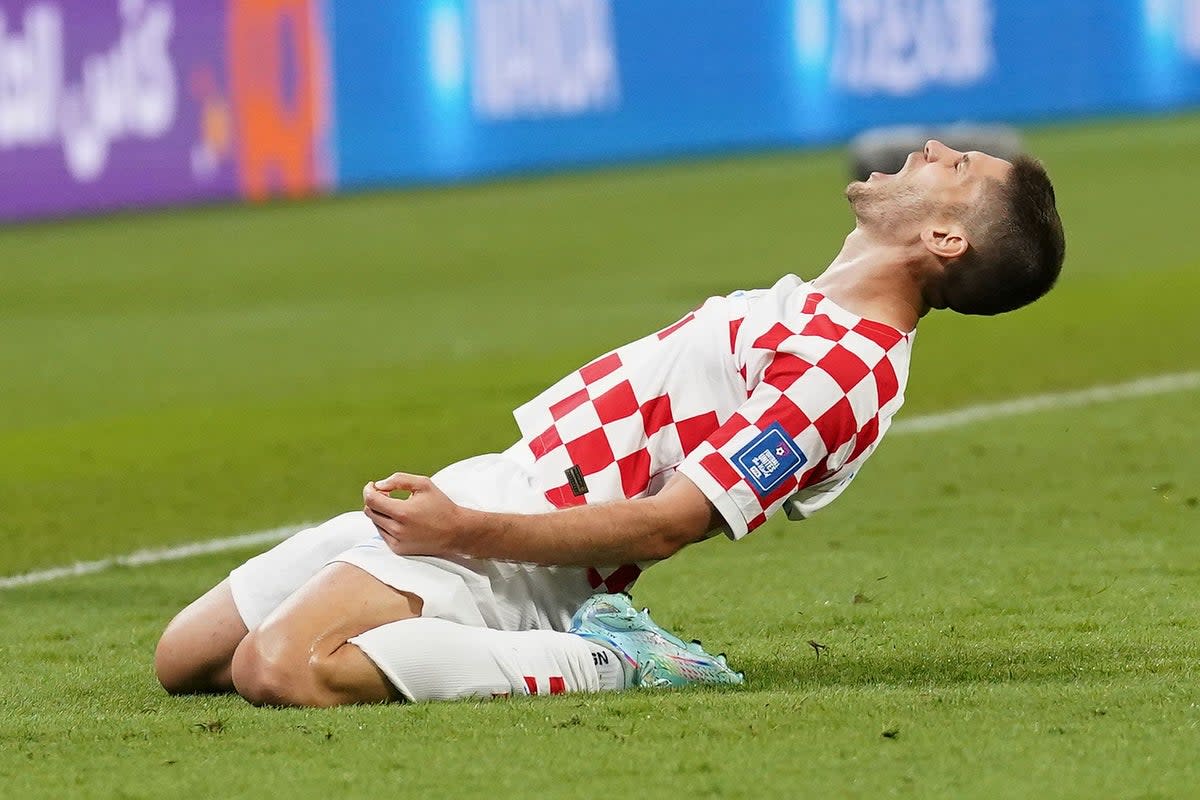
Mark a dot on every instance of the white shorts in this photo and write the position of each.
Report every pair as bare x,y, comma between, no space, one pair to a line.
493,594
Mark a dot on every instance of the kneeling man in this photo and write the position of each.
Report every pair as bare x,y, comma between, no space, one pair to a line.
483,581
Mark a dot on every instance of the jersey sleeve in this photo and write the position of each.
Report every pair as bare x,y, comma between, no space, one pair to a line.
799,426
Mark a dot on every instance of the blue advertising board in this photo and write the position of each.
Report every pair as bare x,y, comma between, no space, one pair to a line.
108,104
436,90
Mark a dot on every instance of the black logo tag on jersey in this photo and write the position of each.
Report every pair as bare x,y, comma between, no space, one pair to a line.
575,478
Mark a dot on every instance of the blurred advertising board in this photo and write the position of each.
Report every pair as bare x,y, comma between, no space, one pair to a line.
461,88
107,104
110,104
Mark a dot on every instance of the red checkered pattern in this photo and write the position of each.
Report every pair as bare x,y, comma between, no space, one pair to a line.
555,684
691,395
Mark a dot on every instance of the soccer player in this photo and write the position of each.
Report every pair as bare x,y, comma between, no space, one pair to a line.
755,402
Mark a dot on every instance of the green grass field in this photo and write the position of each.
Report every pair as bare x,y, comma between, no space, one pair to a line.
1009,608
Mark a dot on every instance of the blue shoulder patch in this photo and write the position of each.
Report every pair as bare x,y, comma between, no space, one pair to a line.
769,459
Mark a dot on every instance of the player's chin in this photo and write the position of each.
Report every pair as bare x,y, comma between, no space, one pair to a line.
856,190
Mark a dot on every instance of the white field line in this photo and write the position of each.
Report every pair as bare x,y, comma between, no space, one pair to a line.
153,556
1142,387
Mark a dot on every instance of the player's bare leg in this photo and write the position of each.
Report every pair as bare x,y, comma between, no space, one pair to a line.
301,655
195,652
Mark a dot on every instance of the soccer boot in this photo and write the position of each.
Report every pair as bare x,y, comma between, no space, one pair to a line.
650,655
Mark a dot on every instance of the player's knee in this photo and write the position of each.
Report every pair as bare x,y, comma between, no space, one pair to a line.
263,678
168,666
270,676
194,651
175,664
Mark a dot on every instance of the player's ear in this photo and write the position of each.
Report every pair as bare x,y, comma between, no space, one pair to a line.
944,240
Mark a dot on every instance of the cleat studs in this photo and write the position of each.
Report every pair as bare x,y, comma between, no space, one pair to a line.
721,660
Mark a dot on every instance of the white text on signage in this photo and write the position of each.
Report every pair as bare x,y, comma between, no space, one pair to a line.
128,90
536,58
901,47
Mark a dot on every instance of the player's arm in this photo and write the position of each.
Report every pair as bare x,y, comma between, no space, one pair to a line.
650,528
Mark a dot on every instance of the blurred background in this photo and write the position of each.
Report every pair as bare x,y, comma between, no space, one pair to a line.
134,103
306,306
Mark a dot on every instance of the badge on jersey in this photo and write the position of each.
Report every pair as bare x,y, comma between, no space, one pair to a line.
770,459
575,478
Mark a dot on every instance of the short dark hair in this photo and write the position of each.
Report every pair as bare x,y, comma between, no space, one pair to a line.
1020,247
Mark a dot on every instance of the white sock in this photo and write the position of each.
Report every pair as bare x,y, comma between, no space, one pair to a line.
432,659
610,667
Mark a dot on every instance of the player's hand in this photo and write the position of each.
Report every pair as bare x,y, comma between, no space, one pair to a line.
427,523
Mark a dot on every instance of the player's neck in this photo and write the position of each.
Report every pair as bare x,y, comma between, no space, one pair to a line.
875,280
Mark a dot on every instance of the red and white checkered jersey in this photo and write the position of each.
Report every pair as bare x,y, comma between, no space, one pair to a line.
765,399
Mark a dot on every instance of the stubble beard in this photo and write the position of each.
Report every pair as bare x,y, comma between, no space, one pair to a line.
886,208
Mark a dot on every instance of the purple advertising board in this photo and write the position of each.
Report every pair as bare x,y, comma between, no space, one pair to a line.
109,104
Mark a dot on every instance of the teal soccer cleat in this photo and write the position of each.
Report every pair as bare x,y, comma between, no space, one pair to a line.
651,656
